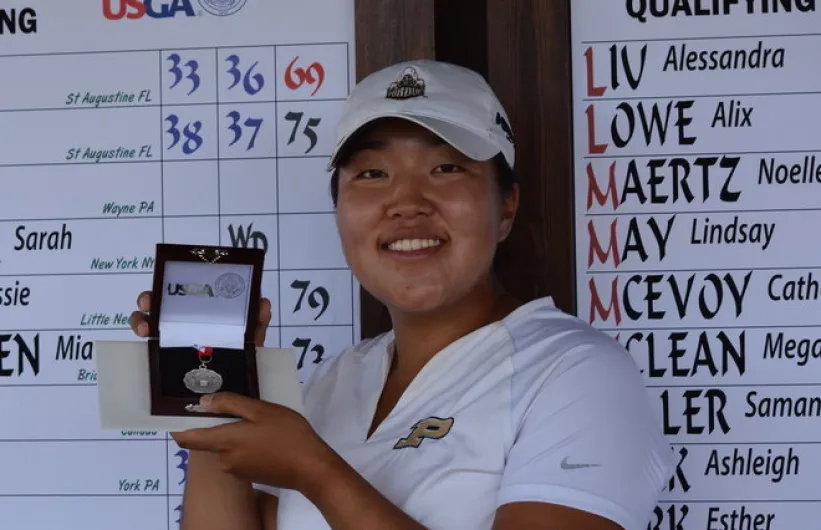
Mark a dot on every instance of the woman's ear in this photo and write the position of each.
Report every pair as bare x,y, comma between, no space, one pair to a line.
510,205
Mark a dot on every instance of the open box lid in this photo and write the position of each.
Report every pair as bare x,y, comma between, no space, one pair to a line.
205,296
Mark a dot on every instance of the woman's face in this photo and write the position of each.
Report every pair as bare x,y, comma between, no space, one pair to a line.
419,221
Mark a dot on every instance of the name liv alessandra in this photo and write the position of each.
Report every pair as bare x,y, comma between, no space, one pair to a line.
686,57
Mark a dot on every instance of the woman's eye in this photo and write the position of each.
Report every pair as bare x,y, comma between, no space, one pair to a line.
371,174
448,168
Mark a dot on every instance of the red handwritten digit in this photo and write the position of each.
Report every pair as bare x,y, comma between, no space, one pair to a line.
295,78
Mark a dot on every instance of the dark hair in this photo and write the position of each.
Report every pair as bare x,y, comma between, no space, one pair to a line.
506,176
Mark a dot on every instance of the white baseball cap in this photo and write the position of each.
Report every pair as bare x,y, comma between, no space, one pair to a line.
453,102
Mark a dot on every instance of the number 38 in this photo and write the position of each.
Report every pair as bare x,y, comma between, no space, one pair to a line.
191,133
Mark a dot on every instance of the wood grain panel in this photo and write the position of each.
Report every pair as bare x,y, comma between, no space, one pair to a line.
389,31
460,27
529,67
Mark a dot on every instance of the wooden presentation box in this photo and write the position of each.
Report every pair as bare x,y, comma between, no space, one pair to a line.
204,312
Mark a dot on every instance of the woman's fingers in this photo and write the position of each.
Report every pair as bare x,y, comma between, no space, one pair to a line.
264,321
144,301
138,319
139,324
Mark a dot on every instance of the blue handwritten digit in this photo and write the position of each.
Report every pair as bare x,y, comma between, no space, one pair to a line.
178,509
234,71
175,69
256,123
182,454
251,83
193,76
173,131
192,65
246,82
236,129
193,139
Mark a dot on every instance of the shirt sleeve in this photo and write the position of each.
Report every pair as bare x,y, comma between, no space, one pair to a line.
586,437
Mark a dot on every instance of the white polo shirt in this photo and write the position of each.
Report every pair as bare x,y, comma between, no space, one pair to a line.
536,407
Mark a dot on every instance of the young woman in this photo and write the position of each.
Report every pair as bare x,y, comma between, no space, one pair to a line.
475,411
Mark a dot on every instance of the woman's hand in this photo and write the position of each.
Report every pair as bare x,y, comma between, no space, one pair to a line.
271,445
139,319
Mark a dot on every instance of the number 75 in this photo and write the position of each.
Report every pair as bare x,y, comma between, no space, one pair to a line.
308,130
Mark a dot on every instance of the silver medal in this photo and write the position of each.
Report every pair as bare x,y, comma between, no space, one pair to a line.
202,380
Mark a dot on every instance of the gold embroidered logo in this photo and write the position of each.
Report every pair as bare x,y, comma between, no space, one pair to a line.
433,428
409,85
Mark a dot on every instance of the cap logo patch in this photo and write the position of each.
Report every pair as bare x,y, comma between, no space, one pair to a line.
408,85
505,126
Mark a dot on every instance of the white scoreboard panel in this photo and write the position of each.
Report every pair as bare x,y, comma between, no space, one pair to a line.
124,123
698,200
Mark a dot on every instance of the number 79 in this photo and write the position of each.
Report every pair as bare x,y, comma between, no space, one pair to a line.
318,297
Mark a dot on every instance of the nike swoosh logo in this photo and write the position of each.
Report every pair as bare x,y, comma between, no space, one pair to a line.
566,465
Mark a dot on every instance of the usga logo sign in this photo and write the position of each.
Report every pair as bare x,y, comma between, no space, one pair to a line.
137,9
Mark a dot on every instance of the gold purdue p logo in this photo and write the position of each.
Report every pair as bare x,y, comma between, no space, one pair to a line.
433,428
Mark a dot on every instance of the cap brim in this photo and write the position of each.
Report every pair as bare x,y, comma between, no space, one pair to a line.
471,143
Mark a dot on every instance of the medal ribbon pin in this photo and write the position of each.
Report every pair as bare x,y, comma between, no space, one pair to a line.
202,380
